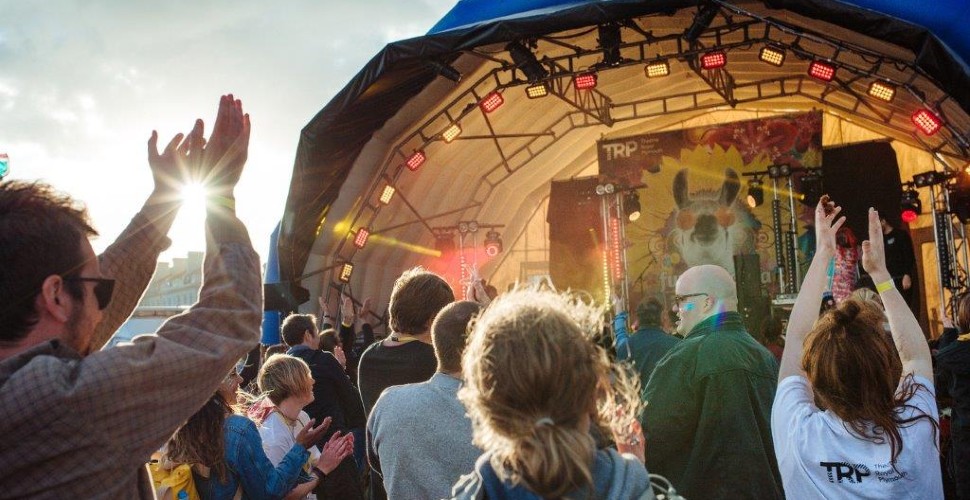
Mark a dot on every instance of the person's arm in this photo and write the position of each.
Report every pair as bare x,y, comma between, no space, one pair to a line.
137,394
809,301
914,352
257,475
622,338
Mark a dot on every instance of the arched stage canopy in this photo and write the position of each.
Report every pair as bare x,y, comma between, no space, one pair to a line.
498,170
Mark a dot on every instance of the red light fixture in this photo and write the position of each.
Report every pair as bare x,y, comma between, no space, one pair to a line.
491,102
415,161
821,71
360,239
585,81
714,60
927,121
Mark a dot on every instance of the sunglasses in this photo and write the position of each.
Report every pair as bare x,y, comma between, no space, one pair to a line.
103,289
678,299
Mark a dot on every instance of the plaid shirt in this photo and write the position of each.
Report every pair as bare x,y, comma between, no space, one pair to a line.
73,427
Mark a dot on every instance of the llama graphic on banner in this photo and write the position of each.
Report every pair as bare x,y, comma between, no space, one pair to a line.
693,205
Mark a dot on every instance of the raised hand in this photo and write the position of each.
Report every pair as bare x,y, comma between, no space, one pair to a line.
335,451
228,148
347,310
873,250
309,435
174,166
338,352
825,229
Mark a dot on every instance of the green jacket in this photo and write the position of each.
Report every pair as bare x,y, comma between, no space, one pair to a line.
708,414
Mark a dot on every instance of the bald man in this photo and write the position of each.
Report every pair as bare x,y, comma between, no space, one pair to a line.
709,400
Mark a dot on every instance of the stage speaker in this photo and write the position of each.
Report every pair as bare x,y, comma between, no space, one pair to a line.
753,304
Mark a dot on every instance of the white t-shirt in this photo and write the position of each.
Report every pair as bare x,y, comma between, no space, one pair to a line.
279,438
819,458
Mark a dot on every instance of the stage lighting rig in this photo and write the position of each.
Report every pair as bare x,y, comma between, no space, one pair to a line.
610,40
772,55
779,171
493,243
701,21
930,178
526,61
446,70
631,205
927,121
756,193
811,187
346,270
603,189
911,205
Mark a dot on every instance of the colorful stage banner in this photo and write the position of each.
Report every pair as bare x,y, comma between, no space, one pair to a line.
694,200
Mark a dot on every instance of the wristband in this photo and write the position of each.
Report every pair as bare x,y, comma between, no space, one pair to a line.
319,472
885,286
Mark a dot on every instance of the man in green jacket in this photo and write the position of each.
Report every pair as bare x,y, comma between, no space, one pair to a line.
709,400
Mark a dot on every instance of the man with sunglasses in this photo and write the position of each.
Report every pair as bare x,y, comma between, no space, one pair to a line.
77,421
709,399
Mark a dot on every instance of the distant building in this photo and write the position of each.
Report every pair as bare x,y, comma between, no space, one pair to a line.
176,284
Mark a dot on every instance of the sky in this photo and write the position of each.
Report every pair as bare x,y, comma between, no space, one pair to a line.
83,84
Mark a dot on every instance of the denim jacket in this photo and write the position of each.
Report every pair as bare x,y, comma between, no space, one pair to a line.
249,468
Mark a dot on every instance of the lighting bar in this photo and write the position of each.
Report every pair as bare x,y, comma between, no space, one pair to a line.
821,71
714,60
772,55
882,91
346,270
585,81
387,194
451,132
415,161
360,239
536,91
927,121
491,102
657,69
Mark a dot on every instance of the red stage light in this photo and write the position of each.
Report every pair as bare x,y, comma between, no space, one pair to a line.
714,60
909,216
821,71
361,238
927,121
491,102
585,81
415,160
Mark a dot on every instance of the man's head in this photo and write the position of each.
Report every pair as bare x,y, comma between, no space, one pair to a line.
49,272
649,313
300,329
449,331
702,292
416,298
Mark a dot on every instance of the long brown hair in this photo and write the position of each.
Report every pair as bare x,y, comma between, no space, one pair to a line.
533,375
855,371
201,440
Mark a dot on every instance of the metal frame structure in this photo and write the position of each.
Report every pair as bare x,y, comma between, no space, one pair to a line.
741,30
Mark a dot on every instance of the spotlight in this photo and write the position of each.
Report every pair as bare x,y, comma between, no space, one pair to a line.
714,60
927,121
445,243
882,91
585,81
911,205
756,193
821,71
811,188
451,132
772,55
610,40
657,68
701,21
930,178
778,171
446,70
493,243
608,188
491,102
360,239
536,91
415,161
631,205
526,61
387,194
346,270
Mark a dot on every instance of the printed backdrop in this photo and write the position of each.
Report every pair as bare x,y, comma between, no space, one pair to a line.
693,205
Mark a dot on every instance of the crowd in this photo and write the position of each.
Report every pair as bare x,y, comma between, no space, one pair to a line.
511,396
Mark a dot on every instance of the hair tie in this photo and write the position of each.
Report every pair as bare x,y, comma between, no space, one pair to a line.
544,421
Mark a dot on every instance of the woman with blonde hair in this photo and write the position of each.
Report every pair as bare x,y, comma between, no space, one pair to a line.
851,417
287,387
535,382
